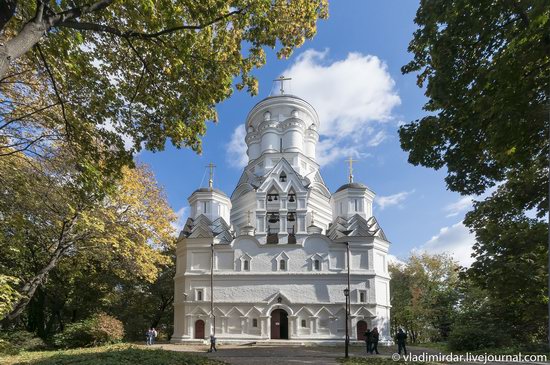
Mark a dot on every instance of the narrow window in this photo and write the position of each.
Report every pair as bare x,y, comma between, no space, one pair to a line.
317,265
362,297
304,323
356,205
282,265
255,322
199,295
246,266
205,207
281,145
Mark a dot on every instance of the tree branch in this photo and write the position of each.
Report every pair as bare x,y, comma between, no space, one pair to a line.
54,84
140,35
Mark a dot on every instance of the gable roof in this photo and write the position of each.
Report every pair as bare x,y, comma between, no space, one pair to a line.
359,227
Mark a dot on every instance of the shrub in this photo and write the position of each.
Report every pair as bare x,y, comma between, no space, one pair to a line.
472,336
13,342
99,329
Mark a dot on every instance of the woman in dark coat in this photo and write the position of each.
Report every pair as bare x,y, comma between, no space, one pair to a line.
368,340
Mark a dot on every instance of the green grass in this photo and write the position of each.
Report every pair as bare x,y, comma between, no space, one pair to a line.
123,354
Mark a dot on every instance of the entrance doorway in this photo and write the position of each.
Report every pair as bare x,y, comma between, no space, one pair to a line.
279,325
199,329
361,328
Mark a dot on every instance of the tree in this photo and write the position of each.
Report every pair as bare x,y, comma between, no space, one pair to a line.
486,66
423,296
142,71
46,216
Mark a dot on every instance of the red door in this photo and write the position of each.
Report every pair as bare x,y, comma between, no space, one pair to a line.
279,324
361,328
199,329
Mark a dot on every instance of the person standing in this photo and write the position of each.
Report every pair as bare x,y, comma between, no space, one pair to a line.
154,335
401,339
212,344
368,340
375,338
148,335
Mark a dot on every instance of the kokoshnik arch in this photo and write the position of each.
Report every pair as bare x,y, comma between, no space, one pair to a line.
275,251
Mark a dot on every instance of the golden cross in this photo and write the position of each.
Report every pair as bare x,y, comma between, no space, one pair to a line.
211,180
282,79
350,161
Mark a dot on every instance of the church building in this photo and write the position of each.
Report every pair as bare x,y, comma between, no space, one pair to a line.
280,257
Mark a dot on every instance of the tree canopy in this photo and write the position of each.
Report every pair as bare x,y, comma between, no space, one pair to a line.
46,218
485,66
143,72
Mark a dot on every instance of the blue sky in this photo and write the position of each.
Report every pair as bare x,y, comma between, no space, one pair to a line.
351,73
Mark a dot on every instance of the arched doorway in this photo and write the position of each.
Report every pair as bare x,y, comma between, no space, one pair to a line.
279,324
199,329
361,328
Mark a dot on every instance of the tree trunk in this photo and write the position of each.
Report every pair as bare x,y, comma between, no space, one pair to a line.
30,287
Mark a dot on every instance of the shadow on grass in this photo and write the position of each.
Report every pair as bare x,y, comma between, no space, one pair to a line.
112,355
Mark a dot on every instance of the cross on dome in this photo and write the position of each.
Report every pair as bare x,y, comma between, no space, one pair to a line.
282,79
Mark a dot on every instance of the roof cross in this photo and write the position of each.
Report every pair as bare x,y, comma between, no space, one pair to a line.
211,166
282,79
350,161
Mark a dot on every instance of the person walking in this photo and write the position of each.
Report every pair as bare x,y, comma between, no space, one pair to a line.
401,339
375,338
368,340
212,344
154,335
148,335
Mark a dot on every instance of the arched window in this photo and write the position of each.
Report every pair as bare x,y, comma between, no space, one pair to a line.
282,265
317,264
246,265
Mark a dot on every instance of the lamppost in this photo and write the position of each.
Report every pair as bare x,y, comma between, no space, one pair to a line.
346,294
212,288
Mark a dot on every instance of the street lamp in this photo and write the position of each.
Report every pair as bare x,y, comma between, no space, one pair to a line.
346,294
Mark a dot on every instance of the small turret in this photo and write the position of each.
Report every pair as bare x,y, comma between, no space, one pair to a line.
210,202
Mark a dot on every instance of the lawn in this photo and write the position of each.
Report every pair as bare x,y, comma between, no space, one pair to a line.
123,354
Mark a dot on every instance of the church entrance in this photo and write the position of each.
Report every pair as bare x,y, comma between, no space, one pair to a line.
361,328
279,325
199,329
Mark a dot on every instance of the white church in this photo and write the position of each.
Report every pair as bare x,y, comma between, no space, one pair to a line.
271,262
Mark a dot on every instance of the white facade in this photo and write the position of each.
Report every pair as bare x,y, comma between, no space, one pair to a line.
278,247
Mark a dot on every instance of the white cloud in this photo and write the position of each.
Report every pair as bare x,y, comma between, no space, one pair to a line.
455,240
391,200
236,148
352,97
392,259
182,215
377,139
462,205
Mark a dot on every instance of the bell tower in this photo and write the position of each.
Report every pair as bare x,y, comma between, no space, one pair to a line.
281,183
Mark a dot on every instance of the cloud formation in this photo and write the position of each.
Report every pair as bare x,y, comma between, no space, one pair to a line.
392,200
354,98
182,215
461,205
455,240
236,148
